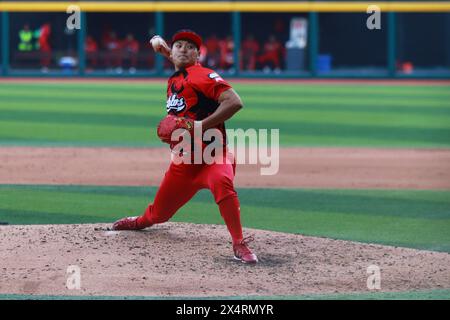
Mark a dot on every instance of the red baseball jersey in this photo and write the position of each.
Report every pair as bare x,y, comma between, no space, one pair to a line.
194,93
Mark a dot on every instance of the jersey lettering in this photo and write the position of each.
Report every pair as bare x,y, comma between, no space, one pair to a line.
175,103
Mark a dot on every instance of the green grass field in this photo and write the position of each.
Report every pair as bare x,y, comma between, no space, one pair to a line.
417,219
314,115
126,114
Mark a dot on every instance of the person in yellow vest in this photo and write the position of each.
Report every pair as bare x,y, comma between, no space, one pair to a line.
26,38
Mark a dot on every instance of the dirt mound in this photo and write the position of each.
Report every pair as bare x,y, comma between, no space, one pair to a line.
181,259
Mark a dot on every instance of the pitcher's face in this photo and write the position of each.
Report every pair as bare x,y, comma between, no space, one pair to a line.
184,54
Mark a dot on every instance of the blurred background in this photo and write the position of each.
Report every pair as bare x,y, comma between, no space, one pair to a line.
252,43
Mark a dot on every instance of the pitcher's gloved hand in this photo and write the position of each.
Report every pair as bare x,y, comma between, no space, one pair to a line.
171,123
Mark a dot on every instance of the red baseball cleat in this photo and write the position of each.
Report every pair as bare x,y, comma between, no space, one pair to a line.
128,223
243,253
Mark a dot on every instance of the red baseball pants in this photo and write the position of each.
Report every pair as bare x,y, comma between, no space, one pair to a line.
182,181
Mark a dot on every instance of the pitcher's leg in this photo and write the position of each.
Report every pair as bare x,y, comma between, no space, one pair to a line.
230,211
219,179
175,190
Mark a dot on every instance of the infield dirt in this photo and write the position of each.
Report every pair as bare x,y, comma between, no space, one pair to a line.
181,259
298,167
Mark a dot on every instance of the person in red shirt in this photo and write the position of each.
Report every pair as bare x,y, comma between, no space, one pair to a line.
203,54
44,47
91,49
213,51
114,52
271,53
131,51
226,53
148,54
199,94
250,49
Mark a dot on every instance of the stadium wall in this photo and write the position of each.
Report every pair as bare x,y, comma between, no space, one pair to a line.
411,42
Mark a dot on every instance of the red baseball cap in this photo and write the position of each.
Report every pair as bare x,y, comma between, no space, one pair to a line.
188,35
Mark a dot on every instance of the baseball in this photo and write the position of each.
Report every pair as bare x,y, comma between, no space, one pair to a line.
158,43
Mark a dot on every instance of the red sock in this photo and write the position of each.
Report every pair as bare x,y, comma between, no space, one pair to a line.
144,220
231,214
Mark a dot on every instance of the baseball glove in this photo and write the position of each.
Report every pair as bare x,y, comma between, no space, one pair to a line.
170,123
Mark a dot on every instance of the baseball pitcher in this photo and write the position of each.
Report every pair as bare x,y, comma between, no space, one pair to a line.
195,95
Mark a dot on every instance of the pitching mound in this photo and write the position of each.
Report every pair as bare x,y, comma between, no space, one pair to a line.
180,259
